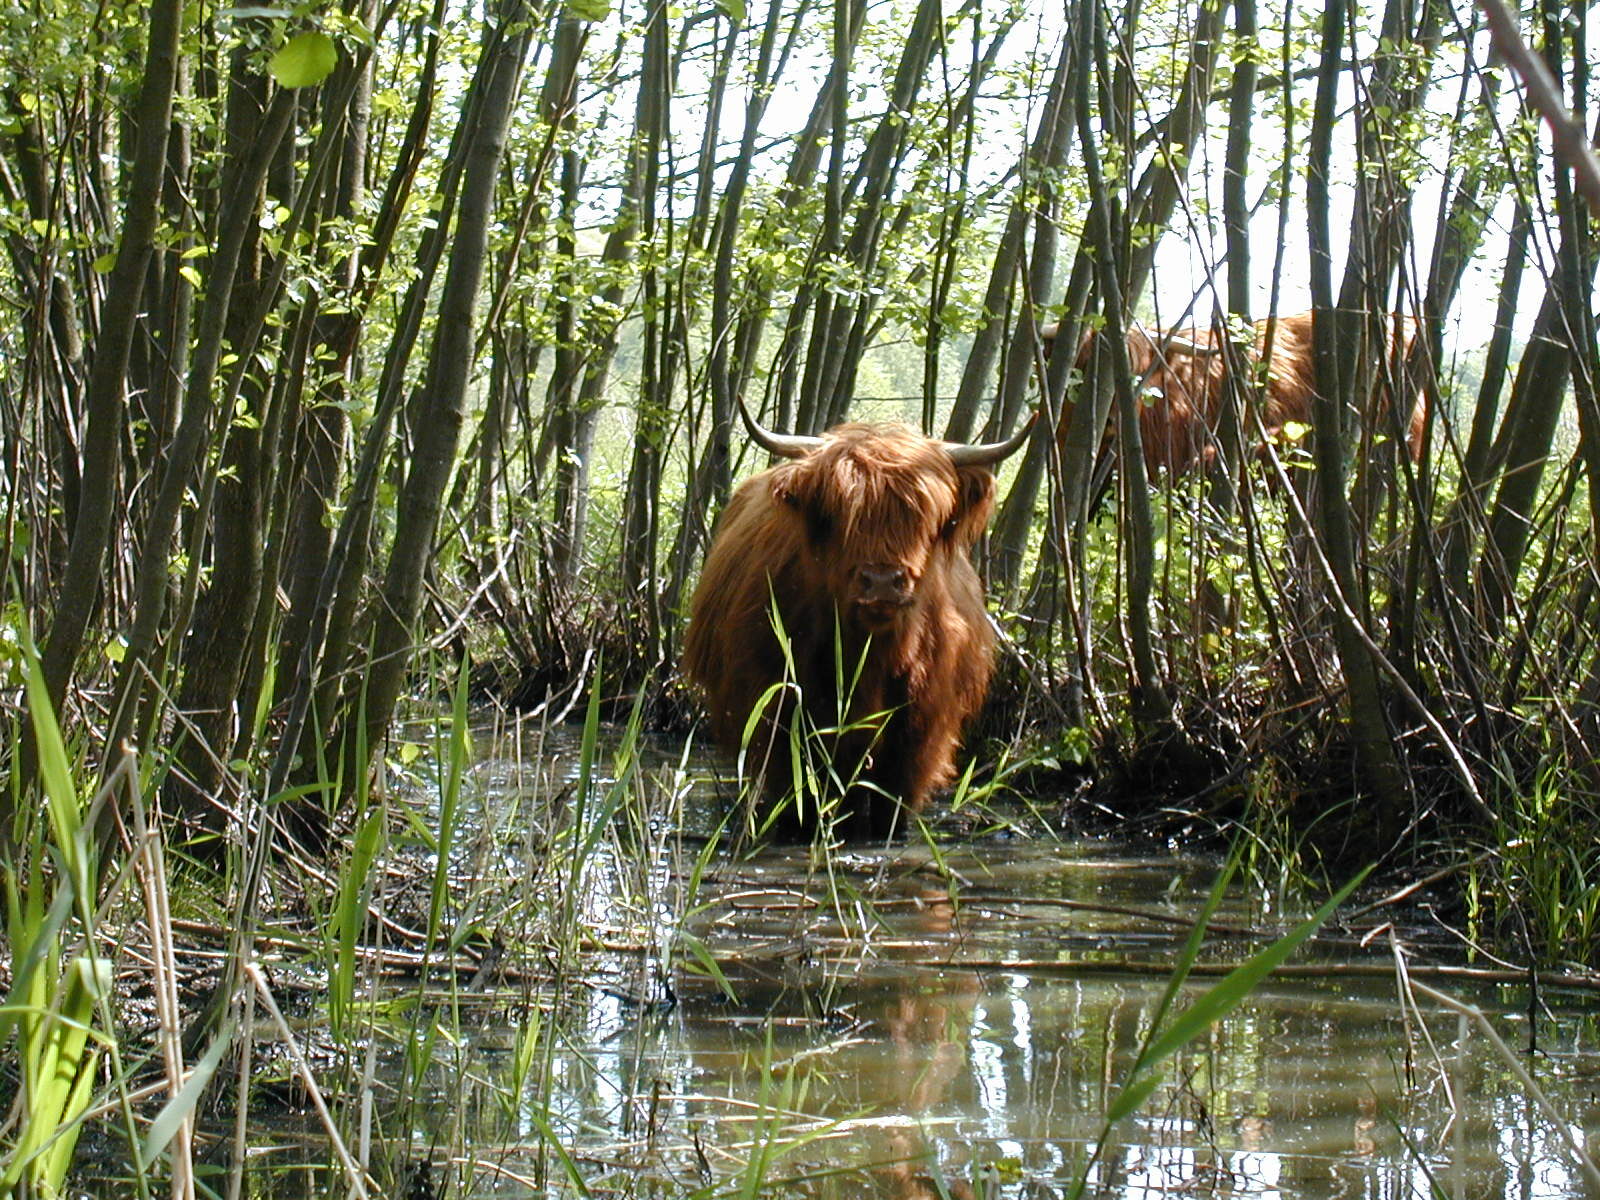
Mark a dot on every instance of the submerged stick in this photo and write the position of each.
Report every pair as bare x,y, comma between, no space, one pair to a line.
1514,1061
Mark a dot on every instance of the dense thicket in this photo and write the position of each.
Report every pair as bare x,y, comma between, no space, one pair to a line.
314,380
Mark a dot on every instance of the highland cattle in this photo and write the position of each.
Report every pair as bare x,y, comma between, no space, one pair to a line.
838,603
1184,377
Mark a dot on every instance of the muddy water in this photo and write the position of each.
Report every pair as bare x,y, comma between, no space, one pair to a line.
928,1048
980,1045
900,1023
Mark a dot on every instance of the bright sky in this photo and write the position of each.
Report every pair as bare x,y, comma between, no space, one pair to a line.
1189,255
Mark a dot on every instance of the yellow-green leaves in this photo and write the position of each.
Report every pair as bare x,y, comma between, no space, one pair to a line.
58,1056
305,59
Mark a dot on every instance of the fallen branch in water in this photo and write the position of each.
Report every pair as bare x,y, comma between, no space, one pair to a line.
1351,970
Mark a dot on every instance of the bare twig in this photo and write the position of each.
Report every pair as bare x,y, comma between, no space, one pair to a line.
1513,1061
358,1185
1570,141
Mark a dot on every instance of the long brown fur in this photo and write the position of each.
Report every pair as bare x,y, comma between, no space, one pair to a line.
1179,413
793,536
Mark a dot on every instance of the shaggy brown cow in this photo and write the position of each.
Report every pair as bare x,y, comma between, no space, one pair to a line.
858,547
1183,373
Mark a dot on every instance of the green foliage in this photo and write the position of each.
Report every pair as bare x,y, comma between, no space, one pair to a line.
60,981
304,60
1548,872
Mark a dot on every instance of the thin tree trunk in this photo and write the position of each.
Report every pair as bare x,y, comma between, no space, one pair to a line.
53,332
1465,516
1151,709
1236,234
1048,156
726,370
241,187
868,196
213,656
322,429
1023,355
1523,447
641,516
811,405
1463,211
1374,753
441,407
80,581
600,334
711,477
329,642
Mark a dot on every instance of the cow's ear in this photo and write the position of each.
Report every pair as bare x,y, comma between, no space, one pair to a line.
784,486
974,504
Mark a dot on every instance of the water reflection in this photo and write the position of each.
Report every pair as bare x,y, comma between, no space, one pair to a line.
895,1036
913,1072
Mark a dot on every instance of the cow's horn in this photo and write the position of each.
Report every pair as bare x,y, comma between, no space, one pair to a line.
1185,348
784,445
988,453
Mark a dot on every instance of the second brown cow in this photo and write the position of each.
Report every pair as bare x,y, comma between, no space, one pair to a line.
1184,374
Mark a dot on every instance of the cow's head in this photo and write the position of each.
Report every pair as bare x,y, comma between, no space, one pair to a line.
882,506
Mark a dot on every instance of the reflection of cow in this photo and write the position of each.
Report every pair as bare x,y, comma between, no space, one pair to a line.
858,547
1184,376
929,1027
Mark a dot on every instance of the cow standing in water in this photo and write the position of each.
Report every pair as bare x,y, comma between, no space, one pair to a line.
858,547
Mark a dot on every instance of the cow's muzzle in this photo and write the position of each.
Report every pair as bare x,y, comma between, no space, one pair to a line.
878,592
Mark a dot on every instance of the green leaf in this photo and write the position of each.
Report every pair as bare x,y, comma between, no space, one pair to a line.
589,10
61,1082
702,955
61,797
188,1096
349,26
733,9
1231,991
305,59
105,263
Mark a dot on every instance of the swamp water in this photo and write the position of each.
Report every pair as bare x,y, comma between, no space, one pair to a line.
918,1022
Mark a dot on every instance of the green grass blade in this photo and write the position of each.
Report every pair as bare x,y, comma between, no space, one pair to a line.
62,799
183,1104
1190,954
702,955
449,804
1223,997
349,915
58,1080
568,1164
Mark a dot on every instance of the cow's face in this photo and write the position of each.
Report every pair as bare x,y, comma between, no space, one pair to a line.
881,509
